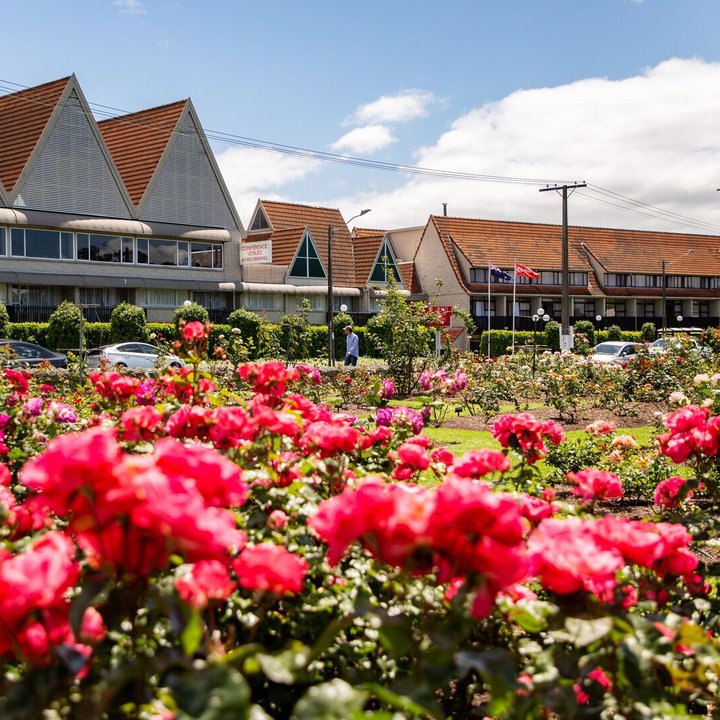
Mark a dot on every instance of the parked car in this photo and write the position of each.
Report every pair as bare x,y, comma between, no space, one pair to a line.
675,342
134,355
613,351
18,353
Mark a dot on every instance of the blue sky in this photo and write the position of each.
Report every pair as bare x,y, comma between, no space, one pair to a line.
620,93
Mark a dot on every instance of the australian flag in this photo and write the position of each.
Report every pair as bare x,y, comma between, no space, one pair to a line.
499,274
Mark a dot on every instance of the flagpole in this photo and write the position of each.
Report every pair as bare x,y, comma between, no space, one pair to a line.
488,307
513,305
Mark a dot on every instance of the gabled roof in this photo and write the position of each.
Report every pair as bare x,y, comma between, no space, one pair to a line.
286,216
366,248
24,115
409,277
137,142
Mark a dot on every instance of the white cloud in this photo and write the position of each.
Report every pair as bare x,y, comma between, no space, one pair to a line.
652,137
399,108
250,174
130,7
366,139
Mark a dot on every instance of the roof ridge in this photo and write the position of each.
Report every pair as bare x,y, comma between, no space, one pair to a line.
304,205
143,112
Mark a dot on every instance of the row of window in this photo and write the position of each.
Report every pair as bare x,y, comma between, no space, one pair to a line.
547,277
695,282
56,245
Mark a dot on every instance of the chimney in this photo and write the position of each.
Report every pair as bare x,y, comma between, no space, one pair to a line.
444,209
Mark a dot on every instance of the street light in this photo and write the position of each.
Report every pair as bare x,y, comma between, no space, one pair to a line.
539,315
330,308
663,263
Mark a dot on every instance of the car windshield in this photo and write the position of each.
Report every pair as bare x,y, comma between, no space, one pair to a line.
607,349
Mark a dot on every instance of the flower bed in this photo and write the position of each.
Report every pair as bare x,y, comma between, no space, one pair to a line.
174,548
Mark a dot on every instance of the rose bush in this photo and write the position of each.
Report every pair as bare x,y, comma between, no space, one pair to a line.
185,548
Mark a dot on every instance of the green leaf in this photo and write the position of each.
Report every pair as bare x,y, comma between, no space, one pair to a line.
582,633
215,693
284,667
334,700
192,634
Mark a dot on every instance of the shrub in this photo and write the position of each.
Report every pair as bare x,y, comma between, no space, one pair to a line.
4,321
295,333
552,335
98,334
128,323
33,332
501,341
64,327
247,322
189,313
614,332
648,332
587,330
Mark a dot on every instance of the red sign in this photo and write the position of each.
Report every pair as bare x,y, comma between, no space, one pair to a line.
444,312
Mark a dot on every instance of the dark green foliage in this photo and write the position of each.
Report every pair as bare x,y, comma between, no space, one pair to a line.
98,334
501,341
190,313
339,322
33,332
247,322
648,332
295,333
64,327
4,321
128,322
614,332
584,332
552,335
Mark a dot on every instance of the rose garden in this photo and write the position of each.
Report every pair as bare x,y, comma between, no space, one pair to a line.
423,537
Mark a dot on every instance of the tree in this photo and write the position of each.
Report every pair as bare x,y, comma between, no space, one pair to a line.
64,327
403,333
189,313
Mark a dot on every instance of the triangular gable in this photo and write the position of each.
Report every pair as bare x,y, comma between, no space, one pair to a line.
24,115
307,262
187,187
70,169
260,222
385,262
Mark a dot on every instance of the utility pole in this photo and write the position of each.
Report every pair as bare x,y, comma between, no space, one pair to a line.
330,308
565,290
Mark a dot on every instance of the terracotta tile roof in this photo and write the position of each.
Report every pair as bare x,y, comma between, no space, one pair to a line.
137,141
410,278
366,232
284,216
23,117
366,248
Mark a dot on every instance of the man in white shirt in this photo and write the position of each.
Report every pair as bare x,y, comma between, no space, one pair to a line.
352,347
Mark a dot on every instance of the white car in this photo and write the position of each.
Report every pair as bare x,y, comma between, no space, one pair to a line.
138,356
675,342
614,351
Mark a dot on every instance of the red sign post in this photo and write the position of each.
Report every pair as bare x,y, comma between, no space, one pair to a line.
444,312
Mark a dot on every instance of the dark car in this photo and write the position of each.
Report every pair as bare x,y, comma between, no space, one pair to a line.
18,353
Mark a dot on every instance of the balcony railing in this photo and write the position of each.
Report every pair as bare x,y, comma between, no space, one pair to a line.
505,322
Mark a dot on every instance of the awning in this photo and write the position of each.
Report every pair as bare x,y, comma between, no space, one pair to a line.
287,289
114,226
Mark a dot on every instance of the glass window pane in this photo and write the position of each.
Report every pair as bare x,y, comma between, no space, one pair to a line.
163,252
42,244
201,255
128,256
315,268
105,248
18,242
299,268
142,250
3,248
183,254
83,246
66,246
218,257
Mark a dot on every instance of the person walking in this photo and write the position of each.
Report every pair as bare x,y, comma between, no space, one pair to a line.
352,347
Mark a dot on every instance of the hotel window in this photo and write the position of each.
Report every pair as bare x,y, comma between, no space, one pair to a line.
307,263
615,309
701,308
478,275
550,277
522,308
684,281
104,297
645,308
616,280
35,295
263,301
317,302
578,279
584,308
46,244
339,300
206,255
211,300
385,265
480,308
158,297
101,248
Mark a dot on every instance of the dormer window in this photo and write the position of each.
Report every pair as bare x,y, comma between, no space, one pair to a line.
260,221
385,264
307,263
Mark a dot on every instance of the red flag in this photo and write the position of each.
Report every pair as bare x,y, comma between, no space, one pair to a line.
524,271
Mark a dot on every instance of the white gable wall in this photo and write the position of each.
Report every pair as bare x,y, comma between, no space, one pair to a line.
70,173
186,190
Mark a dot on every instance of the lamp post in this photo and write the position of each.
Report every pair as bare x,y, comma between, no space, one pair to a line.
330,308
539,315
663,264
